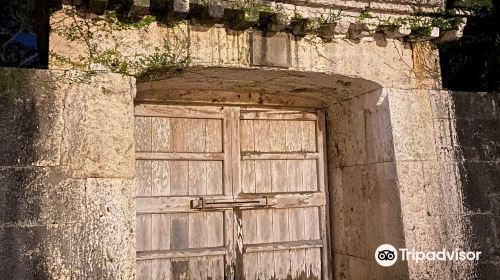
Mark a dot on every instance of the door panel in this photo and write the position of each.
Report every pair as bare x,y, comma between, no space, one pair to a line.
179,158
279,155
230,193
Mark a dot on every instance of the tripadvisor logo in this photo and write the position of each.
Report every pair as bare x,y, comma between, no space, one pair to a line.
387,255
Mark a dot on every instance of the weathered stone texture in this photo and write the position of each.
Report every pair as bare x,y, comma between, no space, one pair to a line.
97,143
432,163
66,171
34,196
31,119
363,181
217,46
468,143
412,127
362,131
105,242
271,50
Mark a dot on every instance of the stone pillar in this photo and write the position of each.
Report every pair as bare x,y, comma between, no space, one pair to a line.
431,199
67,207
404,171
365,202
467,131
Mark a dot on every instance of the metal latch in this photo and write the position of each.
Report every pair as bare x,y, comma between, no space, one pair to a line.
214,203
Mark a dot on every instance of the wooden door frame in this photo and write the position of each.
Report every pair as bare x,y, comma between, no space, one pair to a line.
234,160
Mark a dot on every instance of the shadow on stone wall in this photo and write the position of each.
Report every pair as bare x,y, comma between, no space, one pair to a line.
478,134
18,127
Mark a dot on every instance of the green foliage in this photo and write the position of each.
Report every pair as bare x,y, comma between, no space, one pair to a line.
11,84
160,64
419,24
126,23
365,15
470,5
170,58
330,18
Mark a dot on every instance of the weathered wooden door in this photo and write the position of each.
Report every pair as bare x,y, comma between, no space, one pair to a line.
230,193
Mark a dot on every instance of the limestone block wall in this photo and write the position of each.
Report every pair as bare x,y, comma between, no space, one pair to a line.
66,175
388,62
467,133
431,201
363,179
415,169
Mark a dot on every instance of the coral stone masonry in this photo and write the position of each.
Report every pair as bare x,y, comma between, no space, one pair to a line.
246,140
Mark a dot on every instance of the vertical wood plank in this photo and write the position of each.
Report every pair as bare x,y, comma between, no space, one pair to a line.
179,130
296,224
197,230
266,265
239,264
249,224
247,136
297,263
215,267
230,227
312,223
160,231
293,136
179,233
214,229
309,136
161,135
195,135
160,178
214,176
294,167
142,134
236,176
143,234
235,150
197,178
251,262
198,268
278,132
294,178
180,269
213,143
263,176
265,235
160,270
322,181
280,226
179,178
229,239
143,269
262,136
263,143
248,176
321,132
143,176
310,175
264,219
227,168
313,263
278,176
282,268
213,132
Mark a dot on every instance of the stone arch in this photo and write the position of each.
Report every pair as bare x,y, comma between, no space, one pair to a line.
254,86
365,205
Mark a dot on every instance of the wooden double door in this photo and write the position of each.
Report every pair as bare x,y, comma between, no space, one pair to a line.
230,193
